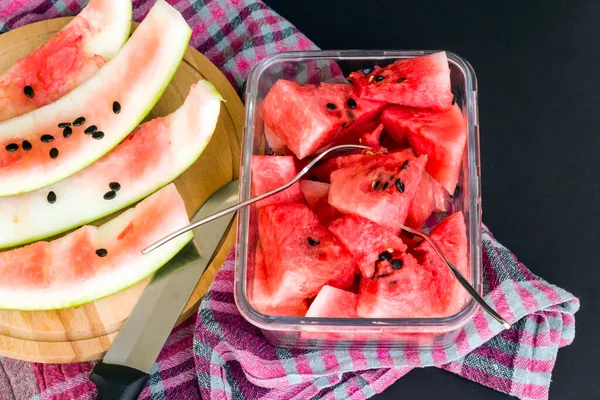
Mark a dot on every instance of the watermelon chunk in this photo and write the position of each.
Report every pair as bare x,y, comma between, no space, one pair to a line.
332,302
301,255
91,262
316,195
422,82
261,293
411,291
36,152
440,135
380,193
322,171
369,243
306,118
149,158
271,172
451,237
67,60
276,144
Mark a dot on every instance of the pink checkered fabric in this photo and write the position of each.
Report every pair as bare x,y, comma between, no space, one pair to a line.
219,355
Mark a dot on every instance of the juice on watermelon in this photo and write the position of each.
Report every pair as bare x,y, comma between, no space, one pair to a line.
335,268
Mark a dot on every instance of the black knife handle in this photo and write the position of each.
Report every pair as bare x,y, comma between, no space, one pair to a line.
116,382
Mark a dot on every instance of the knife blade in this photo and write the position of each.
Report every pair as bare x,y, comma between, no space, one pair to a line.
122,373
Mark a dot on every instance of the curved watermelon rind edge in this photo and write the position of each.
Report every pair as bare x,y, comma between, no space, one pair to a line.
160,184
181,242
168,77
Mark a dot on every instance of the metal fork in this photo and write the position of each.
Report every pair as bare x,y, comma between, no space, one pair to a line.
461,279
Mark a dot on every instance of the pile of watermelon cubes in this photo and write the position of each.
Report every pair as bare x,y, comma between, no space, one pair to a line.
332,245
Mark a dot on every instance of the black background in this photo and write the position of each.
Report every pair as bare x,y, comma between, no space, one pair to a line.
538,66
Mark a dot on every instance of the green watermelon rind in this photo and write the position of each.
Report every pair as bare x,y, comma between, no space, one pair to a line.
167,77
210,90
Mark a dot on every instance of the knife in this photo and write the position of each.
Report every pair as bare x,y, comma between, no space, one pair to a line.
123,372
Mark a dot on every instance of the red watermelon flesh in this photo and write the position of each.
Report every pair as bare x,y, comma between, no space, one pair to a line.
301,255
323,170
393,126
408,292
261,294
369,243
306,118
316,195
422,82
451,237
373,139
440,135
382,194
332,302
270,172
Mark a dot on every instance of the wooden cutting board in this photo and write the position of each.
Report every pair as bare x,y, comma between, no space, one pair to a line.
85,332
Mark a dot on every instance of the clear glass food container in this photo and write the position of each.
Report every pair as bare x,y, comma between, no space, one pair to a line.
302,332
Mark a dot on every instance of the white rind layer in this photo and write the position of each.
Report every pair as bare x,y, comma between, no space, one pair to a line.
115,17
29,217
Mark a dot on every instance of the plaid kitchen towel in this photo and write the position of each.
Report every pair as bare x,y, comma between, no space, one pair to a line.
219,355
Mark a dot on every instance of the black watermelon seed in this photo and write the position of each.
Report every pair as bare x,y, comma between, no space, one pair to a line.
375,185
116,186
101,252
397,264
385,186
385,256
53,153
367,71
67,132
400,80
331,106
12,147
116,107
64,125
90,129
47,138
110,195
28,90
313,242
351,103
79,121
379,78
51,197
26,145
98,135
400,185
405,165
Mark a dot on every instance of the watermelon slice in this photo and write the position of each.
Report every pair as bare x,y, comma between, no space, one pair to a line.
152,156
422,82
306,118
402,289
261,294
371,245
35,149
440,135
451,237
67,60
332,302
91,262
381,193
301,255
316,195
271,172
